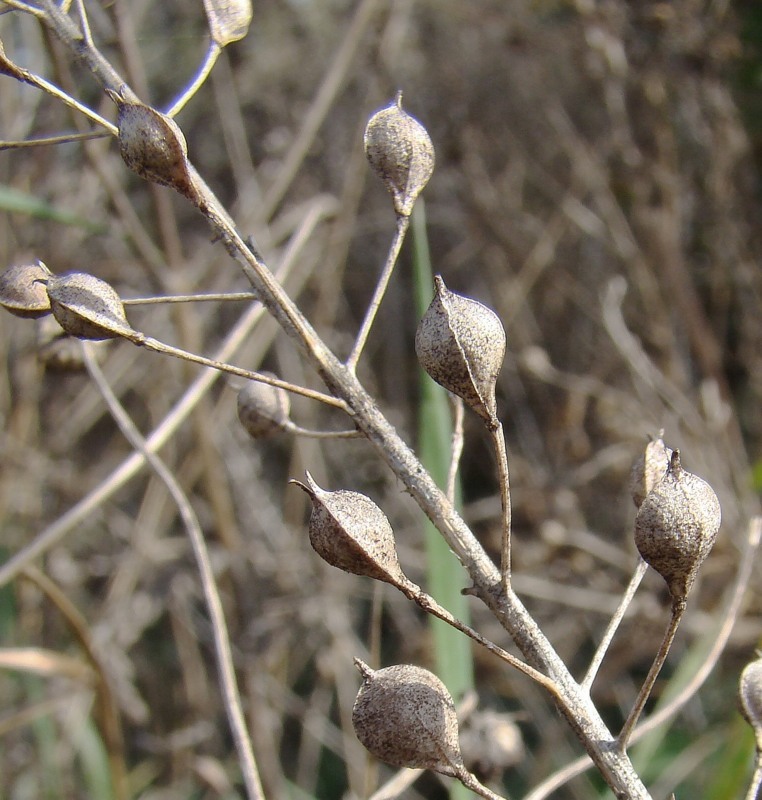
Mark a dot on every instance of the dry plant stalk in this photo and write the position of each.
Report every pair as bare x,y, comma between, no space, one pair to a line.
403,714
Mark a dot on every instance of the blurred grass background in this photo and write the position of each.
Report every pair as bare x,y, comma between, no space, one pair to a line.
577,143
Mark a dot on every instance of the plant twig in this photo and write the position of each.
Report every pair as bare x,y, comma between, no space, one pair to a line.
676,614
228,684
498,442
212,54
403,222
624,603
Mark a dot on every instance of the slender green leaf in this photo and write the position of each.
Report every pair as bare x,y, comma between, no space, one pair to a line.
446,578
20,202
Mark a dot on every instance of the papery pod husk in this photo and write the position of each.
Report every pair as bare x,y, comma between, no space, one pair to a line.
153,146
23,290
401,153
461,345
88,307
405,716
676,526
229,20
263,409
350,532
649,468
750,695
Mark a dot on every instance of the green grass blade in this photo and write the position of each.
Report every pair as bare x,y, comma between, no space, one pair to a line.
19,202
452,650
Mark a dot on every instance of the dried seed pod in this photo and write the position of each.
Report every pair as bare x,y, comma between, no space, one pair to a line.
649,469
750,695
405,716
23,290
349,531
263,409
676,526
228,19
58,351
401,154
461,344
153,146
88,308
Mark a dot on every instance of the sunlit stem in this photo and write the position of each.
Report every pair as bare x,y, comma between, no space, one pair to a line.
188,298
223,651
403,223
470,782
498,442
43,141
456,446
678,608
616,619
430,605
166,349
211,59
756,779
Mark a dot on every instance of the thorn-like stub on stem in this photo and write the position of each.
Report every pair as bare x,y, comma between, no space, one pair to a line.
350,532
88,307
23,290
401,153
649,469
461,345
676,526
153,146
405,716
263,410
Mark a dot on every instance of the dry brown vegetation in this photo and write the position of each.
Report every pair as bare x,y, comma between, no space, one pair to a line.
595,185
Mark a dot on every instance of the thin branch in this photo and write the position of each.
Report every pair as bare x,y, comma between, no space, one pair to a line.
188,298
616,619
676,614
403,223
212,54
501,454
456,447
222,647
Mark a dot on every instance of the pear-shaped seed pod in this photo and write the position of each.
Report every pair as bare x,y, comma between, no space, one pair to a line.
263,409
461,344
649,469
87,307
401,154
153,146
349,531
676,526
405,716
23,290
750,695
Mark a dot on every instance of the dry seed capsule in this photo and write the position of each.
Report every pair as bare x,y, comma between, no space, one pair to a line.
87,307
750,695
349,531
676,526
23,290
401,153
649,469
461,344
153,146
263,409
405,716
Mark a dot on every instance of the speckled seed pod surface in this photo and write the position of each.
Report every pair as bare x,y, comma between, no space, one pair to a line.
87,307
350,532
23,290
677,525
401,153
750,694
461,345
263,409
405,716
